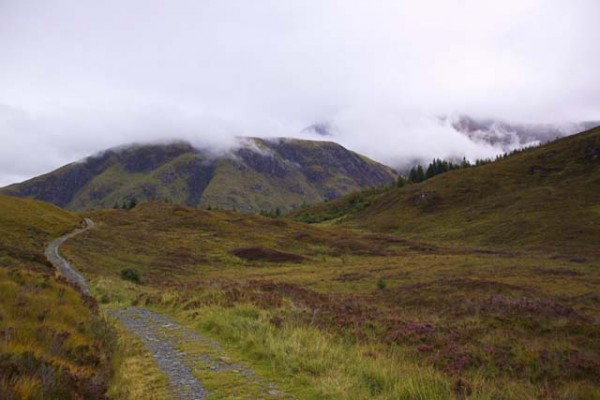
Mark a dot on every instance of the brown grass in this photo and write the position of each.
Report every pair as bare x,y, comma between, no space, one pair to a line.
53,342
480,316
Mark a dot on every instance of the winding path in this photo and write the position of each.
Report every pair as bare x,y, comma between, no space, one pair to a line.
62,266
164,340
144,324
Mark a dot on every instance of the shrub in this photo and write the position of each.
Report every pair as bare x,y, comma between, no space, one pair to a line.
401,181
130,274
381,284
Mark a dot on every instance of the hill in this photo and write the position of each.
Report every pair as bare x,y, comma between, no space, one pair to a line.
28,225
53,343
546,198
478,283
256,175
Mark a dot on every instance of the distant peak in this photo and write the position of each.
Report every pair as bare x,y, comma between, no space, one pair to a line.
509,135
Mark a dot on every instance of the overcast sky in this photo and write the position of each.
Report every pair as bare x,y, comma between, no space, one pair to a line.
79,76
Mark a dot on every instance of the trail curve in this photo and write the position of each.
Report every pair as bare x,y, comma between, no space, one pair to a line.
62,266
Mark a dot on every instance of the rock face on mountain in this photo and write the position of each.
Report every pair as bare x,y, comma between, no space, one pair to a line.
258,174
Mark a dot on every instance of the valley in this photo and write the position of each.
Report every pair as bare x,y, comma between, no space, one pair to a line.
478,283
299,200
438,318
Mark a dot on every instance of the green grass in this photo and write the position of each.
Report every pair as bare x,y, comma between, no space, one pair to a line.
136,375
314,364
491,286
542,199
350,204
28,225
495,323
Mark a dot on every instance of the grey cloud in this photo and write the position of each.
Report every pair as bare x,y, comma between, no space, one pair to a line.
78,77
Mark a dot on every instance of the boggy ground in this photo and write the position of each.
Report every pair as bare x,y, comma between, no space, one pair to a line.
354,315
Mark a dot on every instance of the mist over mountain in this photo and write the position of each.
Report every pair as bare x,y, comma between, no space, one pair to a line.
76,80
403,142
546,195
507,136
320,128
254,175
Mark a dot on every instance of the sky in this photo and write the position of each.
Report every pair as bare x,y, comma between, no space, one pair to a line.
78,77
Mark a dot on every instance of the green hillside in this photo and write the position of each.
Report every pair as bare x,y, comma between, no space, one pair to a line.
53,343
256,175
545,198
479,283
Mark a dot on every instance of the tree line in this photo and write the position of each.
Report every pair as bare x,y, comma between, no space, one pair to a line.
419,173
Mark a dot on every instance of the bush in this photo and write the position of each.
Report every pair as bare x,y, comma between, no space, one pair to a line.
401,181
381,284
130,274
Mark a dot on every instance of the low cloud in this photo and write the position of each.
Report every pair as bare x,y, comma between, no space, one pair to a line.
78,79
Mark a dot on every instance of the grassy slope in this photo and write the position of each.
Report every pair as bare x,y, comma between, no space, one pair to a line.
27,225
545,198
196,237
449,321
315,154
52,342
193,264
183,175
116,184
237,187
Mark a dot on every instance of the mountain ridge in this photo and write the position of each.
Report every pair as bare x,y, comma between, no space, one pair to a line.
510,135
257,174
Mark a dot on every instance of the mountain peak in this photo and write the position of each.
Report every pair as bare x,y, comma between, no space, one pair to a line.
512,135
255,174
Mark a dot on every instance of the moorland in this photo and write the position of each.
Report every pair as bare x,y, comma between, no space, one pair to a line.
478,283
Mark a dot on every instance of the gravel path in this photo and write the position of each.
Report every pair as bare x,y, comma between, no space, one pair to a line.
165,340
62,266
154,329
143,323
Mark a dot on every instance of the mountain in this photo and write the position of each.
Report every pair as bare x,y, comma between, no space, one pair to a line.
258,174
509,135
545,198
